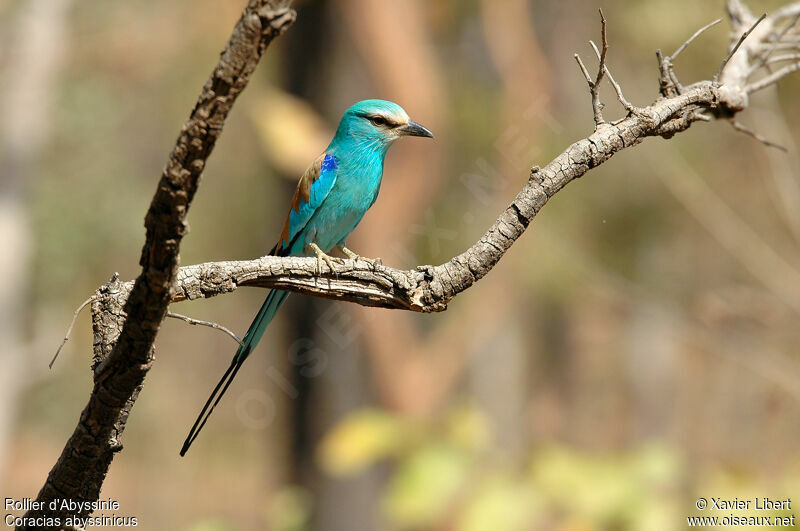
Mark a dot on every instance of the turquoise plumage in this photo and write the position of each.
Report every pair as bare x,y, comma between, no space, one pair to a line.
331,198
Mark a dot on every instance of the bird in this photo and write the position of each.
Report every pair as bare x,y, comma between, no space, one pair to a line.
330,200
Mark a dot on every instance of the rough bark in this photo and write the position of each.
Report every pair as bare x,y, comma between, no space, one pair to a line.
125,328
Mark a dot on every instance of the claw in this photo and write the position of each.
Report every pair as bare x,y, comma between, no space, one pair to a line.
322,256
357,257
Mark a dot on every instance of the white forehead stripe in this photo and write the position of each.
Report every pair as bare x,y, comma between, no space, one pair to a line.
394,117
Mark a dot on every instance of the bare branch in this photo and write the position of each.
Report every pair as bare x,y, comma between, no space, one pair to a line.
583,69
625,103
124,338
737,45
746,130
787,44
772,78
430,288
209,324
693,37
788,11
83,305
594,85
782,58
761,62
597,106
667,81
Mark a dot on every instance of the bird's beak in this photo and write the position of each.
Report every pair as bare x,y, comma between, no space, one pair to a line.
414,129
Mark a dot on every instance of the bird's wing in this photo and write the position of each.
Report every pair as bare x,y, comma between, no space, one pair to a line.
312,189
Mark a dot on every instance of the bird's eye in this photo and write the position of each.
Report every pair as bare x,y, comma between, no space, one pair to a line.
378,120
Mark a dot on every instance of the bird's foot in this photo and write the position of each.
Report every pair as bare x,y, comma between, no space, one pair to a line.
357,257
323,257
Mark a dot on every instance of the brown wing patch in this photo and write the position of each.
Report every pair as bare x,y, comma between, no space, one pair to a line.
301,194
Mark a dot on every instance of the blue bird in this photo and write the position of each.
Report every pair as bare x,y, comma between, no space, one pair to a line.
331,198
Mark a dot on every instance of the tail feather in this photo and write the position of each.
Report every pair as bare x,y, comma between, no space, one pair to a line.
252,337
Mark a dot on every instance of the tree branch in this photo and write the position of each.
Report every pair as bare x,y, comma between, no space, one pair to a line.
696,34
594,85
124,335
75,315
429,288
209,324
773,78
737,45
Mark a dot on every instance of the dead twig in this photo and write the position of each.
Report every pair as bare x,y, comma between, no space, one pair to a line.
786,12
594,85
737,45
788,44
688,41
601,70
209,324
746,130
583,69
670,85
772,78
667,81
69,330
782,58
625,103
761,62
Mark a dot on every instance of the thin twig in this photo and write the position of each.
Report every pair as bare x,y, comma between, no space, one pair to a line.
597,106
772,78
786,11
746,130
738,44
693,37
205,323
69,330
667,81
771,49
785,45
583,69
625,103
782,58
594,85
674,79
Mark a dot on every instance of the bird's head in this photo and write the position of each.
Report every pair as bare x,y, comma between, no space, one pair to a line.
380,122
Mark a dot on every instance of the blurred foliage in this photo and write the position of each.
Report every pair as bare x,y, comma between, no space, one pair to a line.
442,479
289,510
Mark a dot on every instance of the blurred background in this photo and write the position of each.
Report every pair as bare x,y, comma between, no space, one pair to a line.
635,350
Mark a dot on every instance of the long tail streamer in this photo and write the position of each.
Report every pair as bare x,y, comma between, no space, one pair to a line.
252,337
